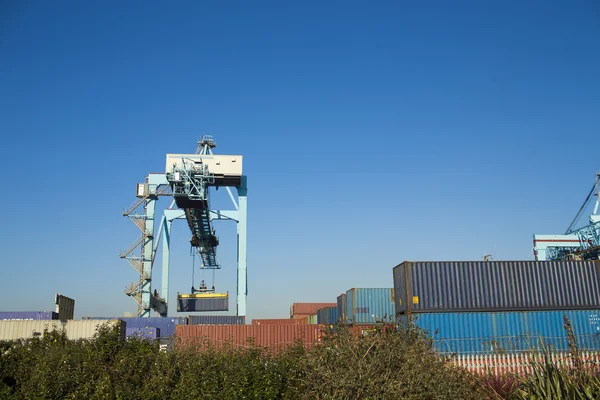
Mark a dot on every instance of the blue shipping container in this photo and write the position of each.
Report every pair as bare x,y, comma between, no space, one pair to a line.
509,331
370,305
27,315
327,316
165,324
341,307
145,333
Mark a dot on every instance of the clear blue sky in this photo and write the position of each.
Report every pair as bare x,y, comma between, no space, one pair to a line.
371,135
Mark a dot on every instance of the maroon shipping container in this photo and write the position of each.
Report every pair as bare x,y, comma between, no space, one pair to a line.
306,309
280,321
274,337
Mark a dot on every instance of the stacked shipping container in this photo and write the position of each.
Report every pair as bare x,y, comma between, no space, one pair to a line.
280,321
143,333
28,315
327,316
304,310
508,331
274,337
370,305
215,320
341,307
469,306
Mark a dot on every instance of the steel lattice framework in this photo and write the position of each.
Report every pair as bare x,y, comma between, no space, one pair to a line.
187,179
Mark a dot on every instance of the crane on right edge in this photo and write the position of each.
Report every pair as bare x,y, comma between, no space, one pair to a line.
581,243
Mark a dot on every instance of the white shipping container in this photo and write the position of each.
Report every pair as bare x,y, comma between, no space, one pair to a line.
80,329
85,329
15,330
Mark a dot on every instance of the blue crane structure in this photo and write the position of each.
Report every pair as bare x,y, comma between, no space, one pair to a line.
188,179
581,243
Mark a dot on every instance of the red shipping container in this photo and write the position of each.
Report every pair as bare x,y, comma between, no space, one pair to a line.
280,321
273,337
306,309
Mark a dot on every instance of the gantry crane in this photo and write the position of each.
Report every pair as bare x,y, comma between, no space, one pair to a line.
576,243
188,179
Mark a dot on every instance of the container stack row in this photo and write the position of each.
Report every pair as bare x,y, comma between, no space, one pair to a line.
490,306
360,306
165,326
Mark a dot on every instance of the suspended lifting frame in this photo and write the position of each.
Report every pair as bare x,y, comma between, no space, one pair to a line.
142,214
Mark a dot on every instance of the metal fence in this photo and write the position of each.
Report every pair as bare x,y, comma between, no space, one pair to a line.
519,363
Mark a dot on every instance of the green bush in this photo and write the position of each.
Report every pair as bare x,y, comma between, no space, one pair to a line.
380,365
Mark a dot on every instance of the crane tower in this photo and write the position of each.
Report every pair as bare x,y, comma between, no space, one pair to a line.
187,180
581,243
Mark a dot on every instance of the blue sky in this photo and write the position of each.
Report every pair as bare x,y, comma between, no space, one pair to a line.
371,134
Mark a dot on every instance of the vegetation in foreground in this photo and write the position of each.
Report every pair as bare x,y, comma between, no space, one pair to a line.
380,365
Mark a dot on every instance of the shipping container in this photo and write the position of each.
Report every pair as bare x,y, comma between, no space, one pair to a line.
15,330
216,320
508,331
27,329
27,315
305,309
496,285
280,321
86,329
65,307
312,319
341,307
370,305
165,324
202,304
143,333
273,337
327,316
181,320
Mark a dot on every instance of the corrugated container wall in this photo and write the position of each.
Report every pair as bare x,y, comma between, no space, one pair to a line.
65,307
85,329
370,305
165,324
27,315
202,304
280,321
27,329
82,329
312,319
143,333
327,316
216,320
510,331
341,307
496,285
305,309
274,337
